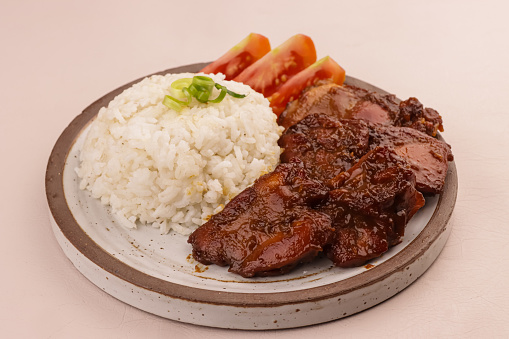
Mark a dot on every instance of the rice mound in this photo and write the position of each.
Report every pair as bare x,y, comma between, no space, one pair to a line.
170,169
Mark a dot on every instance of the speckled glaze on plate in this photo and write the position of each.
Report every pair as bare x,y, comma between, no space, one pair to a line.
156,273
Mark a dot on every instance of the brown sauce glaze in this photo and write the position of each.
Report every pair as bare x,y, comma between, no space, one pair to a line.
269,228
353,172
350,102
370,207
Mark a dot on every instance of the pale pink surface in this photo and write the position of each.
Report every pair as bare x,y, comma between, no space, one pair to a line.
57,57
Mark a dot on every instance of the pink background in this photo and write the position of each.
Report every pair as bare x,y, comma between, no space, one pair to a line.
59,56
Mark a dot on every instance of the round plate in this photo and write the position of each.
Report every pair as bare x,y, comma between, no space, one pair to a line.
156,273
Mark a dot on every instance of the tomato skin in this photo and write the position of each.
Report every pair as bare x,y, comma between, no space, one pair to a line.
279,65
324,69
239,57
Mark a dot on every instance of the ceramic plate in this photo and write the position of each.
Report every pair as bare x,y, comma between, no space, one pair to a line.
156,273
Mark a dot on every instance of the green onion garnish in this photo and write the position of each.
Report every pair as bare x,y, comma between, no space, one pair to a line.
233,94
203,83
177,86
201,95
173,103
221,95
199,87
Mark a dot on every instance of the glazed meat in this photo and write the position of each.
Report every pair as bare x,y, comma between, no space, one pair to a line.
427,157
326,145
269,228
353,172
370,207
343,102
350,102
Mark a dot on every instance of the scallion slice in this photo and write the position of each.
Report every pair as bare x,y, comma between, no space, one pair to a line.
202,96
221,95
173,103
233,94
199,87
203,83
176,87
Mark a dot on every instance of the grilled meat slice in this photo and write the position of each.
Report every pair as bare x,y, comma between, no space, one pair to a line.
370,207
428,157
350,102
269,228
326,146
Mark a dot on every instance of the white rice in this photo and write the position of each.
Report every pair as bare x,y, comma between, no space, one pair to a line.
173,170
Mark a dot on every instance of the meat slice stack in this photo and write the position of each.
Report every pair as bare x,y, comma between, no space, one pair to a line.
353,172
371,207
268,228
286,218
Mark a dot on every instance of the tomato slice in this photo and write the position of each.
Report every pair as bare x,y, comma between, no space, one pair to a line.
240,56
324,69
279,65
